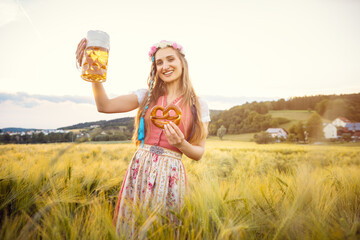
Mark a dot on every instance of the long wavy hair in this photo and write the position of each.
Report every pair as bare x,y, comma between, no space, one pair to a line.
188,97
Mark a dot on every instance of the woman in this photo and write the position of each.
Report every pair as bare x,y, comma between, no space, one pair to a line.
156,177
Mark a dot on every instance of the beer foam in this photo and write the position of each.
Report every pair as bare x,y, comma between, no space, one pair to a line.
98,38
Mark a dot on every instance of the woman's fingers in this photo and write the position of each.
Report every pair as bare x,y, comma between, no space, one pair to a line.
177,129
80,51
170,129
82,41
173,134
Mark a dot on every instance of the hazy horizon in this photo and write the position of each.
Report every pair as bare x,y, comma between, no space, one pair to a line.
87,105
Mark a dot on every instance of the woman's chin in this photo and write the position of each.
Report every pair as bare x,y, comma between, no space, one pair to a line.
170,80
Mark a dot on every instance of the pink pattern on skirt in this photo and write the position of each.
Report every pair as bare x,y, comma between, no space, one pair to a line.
151,181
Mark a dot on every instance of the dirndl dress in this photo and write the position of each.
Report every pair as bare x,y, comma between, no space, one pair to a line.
154,180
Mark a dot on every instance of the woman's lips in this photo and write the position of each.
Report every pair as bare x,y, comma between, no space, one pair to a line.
168,74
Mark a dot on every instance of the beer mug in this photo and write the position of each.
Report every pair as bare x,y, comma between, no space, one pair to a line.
95,58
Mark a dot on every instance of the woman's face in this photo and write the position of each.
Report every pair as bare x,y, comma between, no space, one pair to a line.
168,64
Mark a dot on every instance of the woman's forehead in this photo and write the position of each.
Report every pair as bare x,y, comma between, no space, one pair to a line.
165,52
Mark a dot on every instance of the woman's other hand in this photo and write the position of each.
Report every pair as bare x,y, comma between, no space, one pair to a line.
174,135
80,51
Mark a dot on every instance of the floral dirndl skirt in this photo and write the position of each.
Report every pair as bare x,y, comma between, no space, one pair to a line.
155,180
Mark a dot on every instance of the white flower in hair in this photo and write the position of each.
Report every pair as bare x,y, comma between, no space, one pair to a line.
163,44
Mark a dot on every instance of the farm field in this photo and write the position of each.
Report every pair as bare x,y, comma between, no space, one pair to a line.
294,116
300,115
239,190
244,137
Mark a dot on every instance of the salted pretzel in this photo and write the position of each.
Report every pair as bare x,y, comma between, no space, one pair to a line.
160,121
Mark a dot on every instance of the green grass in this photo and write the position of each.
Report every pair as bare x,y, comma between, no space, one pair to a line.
245,137
294,116
297,115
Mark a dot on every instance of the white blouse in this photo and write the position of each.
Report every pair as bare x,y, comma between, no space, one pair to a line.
204,109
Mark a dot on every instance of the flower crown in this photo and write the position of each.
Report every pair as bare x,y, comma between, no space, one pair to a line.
164,44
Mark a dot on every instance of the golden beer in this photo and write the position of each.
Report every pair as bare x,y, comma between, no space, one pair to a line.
94,64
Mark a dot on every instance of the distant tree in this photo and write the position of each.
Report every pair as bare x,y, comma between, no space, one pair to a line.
40,138
232,128
275,123
314,127
7,138
221,132
212,129
300,128
291,137
280,104
263,138
297,132
322,106
26,138
336,108
68,136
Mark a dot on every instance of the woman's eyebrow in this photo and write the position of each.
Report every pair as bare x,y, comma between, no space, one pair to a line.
168,56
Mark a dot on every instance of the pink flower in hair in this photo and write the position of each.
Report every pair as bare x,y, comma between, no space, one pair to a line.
163,44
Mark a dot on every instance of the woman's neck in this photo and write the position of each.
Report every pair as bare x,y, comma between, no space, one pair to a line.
173,89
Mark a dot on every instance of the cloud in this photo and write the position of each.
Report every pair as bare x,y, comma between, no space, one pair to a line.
31,100
50,115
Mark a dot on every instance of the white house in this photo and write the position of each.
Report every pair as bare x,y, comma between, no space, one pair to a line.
340,122
277,132
330,131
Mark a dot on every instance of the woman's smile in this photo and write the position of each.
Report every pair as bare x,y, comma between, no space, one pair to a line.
168,65
168,73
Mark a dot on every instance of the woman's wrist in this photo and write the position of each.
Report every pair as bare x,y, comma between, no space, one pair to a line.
182,144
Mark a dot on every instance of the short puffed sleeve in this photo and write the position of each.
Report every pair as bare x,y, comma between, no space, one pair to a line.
204,109
140,93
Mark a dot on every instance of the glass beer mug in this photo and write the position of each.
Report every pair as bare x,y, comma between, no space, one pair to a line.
95,58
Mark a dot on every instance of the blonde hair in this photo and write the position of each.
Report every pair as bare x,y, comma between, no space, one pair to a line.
189,98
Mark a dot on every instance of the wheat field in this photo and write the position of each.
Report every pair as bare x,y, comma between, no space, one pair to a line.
237,190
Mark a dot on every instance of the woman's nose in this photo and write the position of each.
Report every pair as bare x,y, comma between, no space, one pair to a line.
165,65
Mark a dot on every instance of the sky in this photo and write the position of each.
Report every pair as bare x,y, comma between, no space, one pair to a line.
238,51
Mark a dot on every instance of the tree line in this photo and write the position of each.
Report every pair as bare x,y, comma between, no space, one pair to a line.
98,134
36,138
255,117
127,122
247,118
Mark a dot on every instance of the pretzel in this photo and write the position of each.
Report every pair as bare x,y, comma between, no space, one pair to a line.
160,121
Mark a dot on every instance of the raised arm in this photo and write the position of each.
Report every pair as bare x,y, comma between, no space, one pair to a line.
124,103
120,104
